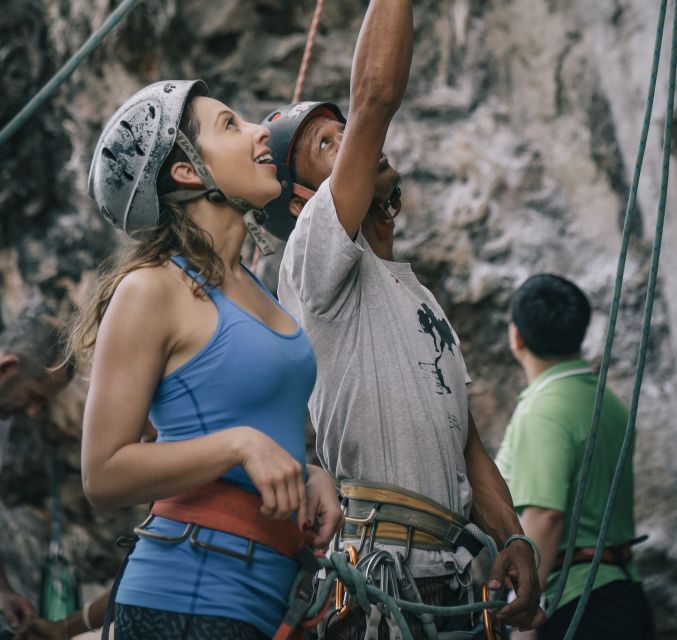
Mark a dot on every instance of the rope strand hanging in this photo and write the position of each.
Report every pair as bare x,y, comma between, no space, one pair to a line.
308,51
67,70
300,80
613,314
646,327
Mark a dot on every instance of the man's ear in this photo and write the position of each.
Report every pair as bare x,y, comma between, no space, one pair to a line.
9,364
184,174
515,338
296,205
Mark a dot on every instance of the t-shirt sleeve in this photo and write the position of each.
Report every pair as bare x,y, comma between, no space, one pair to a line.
320,260
542,461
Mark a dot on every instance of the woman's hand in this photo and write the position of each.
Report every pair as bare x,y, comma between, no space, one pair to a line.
276,475
323,506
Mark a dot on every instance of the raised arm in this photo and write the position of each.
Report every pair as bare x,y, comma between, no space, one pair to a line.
377,83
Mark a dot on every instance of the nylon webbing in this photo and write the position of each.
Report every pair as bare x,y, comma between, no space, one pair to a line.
646,327
65,72
611,328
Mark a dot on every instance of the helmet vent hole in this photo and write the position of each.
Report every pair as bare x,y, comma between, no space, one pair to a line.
127,175
125,125
107,153
151,110
139,150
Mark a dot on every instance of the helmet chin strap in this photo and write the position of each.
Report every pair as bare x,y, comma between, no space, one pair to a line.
214,194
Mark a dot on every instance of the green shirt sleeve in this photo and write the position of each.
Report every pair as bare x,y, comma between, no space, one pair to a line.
542,460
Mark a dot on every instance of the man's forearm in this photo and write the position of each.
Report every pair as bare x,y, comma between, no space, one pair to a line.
544,527
492,507
382,55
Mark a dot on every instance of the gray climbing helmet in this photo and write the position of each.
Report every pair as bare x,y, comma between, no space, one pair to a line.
133,147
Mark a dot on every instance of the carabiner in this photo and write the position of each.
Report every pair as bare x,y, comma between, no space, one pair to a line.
342,605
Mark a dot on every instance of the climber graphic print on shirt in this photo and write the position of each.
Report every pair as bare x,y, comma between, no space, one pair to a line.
443,338
390,402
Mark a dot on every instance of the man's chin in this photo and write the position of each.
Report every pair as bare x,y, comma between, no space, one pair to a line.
386,181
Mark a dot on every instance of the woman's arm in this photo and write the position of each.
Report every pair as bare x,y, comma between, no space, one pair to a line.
137,336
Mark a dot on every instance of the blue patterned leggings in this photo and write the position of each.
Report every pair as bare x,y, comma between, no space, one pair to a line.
141,623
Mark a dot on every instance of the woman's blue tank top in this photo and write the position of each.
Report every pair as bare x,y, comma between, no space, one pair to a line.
246,374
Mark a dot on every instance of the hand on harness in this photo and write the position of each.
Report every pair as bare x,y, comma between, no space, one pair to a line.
275,474
323,508
514,566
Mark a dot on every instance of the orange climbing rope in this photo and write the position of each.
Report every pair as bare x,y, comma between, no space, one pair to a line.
307,52
300,80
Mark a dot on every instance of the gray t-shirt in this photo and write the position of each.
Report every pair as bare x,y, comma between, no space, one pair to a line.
390,402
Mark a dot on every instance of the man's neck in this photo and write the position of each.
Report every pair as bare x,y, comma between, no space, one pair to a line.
379,236
534,366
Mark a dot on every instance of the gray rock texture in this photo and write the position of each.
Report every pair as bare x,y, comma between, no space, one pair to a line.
516,140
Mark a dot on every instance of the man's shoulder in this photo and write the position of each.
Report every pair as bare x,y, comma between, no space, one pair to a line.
546,405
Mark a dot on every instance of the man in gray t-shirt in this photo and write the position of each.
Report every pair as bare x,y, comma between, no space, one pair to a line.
390,403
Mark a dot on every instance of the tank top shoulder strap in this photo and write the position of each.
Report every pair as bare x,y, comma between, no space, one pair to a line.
182,263
260,283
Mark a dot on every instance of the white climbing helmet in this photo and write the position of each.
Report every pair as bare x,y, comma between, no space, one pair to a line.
131,149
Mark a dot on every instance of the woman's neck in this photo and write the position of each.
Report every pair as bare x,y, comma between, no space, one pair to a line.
225,226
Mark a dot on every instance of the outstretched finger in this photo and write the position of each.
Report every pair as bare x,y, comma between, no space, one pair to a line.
269,505
302,517
284,502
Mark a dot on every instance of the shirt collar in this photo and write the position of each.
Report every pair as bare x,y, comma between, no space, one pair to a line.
552,372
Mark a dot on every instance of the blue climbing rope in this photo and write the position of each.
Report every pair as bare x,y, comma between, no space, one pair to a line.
611,328
65,72
646,326
365,594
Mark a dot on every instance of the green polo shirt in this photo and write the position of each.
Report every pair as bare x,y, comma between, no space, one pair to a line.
542,453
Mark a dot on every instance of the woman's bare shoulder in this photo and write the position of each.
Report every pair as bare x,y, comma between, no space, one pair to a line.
157,284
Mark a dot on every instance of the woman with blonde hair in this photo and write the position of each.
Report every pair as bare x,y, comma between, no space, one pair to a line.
185,334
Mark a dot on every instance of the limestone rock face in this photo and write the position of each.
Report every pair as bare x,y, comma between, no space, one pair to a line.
516,140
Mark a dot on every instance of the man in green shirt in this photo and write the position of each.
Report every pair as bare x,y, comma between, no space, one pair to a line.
541,457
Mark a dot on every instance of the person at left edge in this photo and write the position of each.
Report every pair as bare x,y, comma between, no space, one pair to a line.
30,378
183,332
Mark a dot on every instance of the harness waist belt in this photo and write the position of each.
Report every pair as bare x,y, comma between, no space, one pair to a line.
223,506
402,517
619,555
